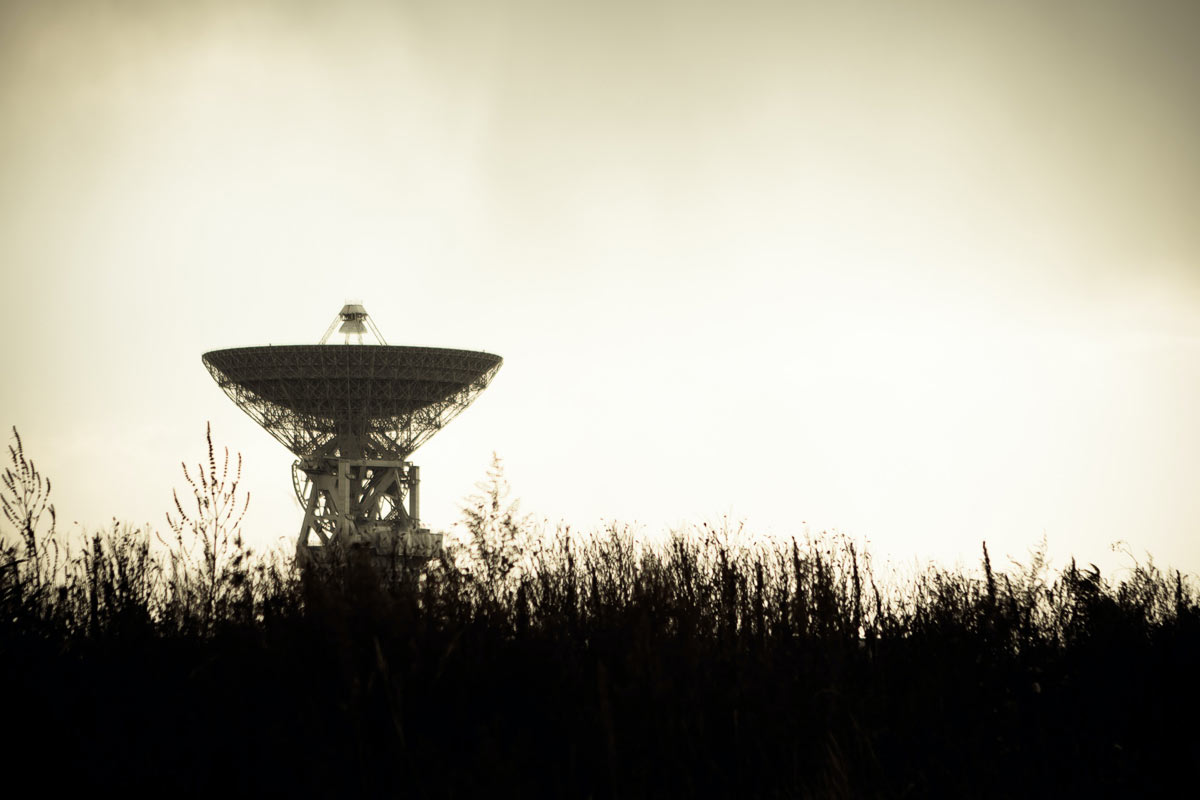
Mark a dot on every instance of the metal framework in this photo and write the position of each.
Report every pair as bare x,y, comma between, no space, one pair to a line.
352,414
352,401
360,503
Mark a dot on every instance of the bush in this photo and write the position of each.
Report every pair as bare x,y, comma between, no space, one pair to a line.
549,663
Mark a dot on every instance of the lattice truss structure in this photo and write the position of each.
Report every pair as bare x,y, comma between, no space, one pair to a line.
352,401
361,503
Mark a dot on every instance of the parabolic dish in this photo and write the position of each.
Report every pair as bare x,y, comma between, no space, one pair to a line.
354,401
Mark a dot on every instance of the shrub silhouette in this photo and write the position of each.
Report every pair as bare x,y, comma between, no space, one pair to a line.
552,663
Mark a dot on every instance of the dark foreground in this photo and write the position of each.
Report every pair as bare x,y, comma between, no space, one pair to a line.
597,669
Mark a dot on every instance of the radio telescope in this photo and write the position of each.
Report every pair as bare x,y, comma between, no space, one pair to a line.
353,413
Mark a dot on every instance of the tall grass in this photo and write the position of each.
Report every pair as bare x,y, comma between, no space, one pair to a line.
599,665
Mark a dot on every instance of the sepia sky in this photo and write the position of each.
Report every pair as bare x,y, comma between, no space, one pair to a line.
926,273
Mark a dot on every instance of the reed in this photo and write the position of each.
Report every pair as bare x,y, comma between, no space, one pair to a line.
552,663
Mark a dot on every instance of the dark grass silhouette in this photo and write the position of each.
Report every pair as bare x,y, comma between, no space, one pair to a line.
587,666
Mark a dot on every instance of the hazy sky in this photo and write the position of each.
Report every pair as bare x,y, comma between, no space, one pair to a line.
923,272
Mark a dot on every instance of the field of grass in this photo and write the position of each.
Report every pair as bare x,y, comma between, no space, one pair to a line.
572,665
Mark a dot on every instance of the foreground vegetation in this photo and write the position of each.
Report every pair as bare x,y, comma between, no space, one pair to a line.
578,666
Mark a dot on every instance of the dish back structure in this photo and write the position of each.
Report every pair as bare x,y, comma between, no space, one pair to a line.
353,414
